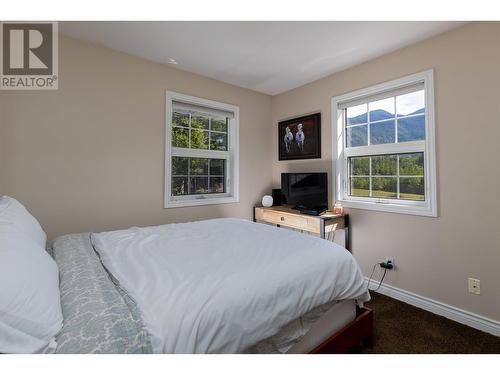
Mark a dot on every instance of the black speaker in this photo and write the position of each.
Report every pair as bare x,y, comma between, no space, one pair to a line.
276,197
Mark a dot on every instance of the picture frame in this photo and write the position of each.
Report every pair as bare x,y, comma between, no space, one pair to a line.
300,138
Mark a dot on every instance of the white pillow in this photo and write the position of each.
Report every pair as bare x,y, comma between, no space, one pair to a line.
13,212
30,307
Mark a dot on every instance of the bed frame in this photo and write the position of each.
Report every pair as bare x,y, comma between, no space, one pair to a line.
356,333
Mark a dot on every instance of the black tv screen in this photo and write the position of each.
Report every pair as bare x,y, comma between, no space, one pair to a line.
305,190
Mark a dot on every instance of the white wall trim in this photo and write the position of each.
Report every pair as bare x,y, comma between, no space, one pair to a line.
231,156
439,308
340,153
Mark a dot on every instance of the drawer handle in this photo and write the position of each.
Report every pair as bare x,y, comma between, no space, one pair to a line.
282,218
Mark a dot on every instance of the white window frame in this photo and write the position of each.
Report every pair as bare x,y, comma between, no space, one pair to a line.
231,155
341,154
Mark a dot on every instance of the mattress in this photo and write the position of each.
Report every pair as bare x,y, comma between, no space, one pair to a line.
302,335
223,285
100,316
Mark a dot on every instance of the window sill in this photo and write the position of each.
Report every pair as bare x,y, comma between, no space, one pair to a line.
199,202
391,207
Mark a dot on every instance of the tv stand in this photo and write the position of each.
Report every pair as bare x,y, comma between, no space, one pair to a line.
289,217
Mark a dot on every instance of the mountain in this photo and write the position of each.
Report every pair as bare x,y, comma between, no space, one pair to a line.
409,129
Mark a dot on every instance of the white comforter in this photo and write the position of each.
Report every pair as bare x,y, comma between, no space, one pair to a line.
222,285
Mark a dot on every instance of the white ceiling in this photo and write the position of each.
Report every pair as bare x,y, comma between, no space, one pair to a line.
269,57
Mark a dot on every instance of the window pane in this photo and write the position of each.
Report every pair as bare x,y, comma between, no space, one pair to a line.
357,114
382,109
180,119
219,124
217,167
180,166
384,187
411,103
199,166
412,188
385,165
218,141
199,122
179,185
360,166
196,171
411,128
199,185
360,186
384,179
411,164
382,132
357,136
217,185
199,139
180,137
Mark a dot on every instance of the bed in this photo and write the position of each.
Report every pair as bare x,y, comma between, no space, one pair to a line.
213,286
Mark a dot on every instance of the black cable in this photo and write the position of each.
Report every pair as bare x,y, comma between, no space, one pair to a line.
370,279
381,280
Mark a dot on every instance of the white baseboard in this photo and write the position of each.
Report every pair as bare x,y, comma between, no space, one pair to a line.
454,313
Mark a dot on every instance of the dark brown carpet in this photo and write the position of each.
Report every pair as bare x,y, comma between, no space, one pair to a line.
402,328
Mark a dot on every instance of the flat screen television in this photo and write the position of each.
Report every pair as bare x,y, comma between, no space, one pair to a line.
305,191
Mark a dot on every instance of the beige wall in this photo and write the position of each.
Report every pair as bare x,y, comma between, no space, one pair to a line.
434,256
90,156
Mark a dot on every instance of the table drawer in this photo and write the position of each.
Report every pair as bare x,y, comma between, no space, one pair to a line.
285,219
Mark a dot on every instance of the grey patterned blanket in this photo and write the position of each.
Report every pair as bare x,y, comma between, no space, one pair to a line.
99,317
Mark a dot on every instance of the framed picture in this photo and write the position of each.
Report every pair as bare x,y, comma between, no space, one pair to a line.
300,138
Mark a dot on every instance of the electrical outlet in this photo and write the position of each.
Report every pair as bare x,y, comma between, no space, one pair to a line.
474,285
390,259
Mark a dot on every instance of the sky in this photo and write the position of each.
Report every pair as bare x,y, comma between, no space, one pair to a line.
405,104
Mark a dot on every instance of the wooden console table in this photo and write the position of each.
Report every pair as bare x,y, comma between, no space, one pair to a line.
288,217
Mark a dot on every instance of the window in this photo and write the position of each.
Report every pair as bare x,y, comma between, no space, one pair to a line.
384,146
201,164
